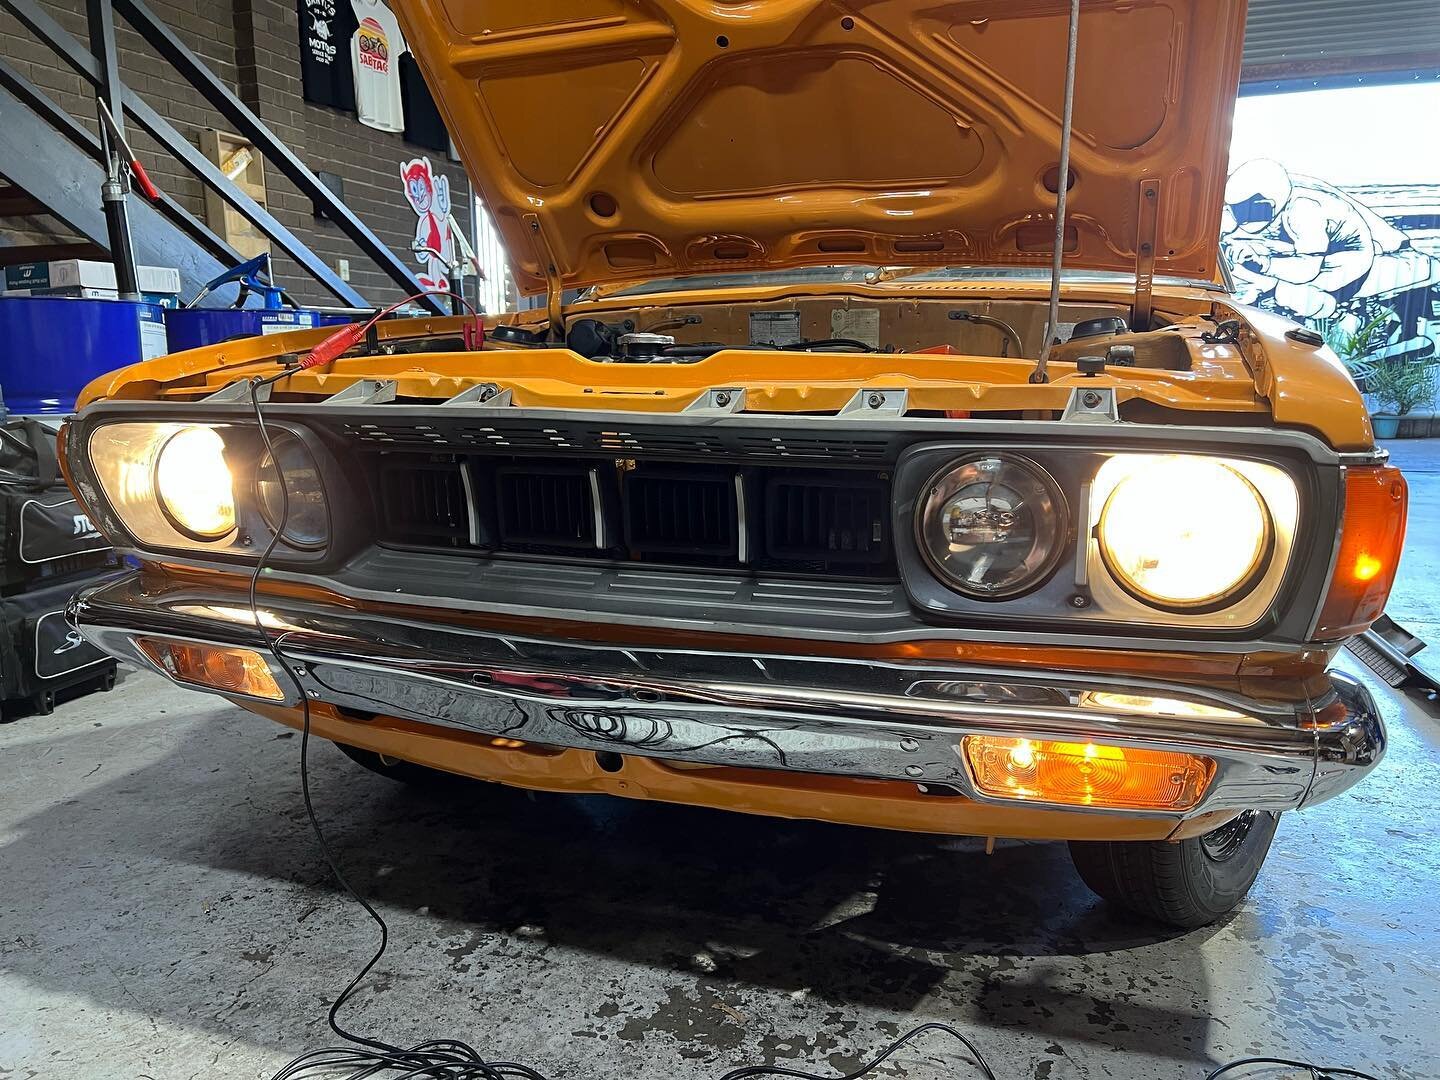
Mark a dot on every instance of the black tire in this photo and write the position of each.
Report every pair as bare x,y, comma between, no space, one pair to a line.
404,772
1189,883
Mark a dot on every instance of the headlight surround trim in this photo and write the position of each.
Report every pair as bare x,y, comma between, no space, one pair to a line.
1090,600
113,463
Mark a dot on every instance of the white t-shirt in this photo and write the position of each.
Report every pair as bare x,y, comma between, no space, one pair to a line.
375,54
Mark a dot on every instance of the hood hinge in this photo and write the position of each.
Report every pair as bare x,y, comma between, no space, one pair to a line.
1147,222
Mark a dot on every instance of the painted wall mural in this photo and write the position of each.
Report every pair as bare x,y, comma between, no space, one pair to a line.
1333,218
1359,263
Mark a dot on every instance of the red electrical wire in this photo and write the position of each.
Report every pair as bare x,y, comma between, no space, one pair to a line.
351,334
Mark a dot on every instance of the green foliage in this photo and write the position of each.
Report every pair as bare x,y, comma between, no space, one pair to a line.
1354,348
1399,387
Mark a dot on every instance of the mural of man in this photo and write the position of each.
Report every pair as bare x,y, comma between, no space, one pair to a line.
1300,242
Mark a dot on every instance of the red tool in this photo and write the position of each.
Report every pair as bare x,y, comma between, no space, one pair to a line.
142,180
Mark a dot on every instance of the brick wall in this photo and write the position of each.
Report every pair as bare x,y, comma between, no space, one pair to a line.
253,47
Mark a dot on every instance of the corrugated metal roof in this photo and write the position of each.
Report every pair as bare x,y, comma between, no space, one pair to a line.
1340,36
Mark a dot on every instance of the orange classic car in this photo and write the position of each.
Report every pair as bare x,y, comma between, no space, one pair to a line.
813,489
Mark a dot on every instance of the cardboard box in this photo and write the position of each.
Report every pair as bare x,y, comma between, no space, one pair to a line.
30,278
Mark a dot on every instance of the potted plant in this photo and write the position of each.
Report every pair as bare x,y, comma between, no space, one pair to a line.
1398,387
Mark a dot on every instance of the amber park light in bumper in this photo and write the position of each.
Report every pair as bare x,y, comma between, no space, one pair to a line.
1087,773
223,668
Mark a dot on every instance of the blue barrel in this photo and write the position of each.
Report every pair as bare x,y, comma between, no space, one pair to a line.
190,328
51,347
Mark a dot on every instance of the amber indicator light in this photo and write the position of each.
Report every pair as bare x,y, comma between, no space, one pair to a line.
215,667
1370,541
1087,773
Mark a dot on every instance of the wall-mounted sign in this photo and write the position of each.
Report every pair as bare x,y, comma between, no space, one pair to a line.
428,194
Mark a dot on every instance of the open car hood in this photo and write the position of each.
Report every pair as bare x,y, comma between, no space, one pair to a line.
617,140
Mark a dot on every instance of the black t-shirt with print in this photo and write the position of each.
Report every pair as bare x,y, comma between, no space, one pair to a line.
326,27
423,125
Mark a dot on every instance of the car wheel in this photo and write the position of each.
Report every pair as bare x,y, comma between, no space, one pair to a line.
405,772
1187,883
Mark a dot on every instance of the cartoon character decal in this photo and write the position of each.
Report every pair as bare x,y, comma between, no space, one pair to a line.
428,194
1324,256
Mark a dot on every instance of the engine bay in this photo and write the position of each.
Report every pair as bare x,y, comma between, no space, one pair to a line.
679,334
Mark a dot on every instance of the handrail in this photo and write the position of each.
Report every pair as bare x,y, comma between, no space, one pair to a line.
245,122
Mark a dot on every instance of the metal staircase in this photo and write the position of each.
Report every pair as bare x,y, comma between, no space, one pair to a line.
54,166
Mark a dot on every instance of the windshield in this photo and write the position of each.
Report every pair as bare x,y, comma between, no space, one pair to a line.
840,275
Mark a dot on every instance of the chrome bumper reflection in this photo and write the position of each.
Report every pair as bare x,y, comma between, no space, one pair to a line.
858,718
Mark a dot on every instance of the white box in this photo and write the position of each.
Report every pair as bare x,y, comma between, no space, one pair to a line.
86,274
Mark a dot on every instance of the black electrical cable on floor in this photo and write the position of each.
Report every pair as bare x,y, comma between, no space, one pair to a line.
451,1059
1317,1072
276,532
448,1058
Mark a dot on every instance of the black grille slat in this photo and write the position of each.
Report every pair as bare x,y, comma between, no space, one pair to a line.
760,518
425,503
682,513
513,435
827,521
545,507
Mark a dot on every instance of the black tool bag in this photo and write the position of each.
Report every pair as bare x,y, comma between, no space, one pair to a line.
46,535
41,655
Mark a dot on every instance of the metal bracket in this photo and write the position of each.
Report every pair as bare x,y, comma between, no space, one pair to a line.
364,392
554,290
876,404
1091,405
719,402
1147,223
236,391
486,395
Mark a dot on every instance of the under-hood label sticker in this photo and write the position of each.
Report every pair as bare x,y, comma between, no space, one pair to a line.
858,324
774,327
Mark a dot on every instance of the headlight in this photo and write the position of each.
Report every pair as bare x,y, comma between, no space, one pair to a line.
992,526
305,514
205,487
193,483
1180,531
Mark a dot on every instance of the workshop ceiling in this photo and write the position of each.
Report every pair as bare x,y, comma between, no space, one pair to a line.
1320,39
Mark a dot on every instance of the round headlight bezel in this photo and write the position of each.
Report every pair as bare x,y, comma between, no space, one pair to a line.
941,487
171,514
1217,600
283,441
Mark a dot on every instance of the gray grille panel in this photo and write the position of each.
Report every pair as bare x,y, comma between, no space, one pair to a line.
712,601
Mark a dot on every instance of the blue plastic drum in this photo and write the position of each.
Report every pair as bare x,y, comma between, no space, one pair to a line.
190,328
51,347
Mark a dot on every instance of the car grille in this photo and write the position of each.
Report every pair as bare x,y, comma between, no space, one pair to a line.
786,519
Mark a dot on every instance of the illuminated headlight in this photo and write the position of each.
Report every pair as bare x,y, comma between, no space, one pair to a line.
992,526
210,487
194,485
1182,532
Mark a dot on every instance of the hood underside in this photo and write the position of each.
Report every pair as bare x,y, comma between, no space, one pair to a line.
616,140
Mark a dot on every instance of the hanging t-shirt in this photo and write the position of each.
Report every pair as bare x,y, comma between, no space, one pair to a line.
326,27
423,125
375,53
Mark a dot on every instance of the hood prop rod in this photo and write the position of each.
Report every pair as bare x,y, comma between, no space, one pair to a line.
1062,184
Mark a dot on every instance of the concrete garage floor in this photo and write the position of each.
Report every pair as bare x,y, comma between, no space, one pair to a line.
164,913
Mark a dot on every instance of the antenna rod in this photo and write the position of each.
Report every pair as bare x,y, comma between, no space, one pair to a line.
1039,375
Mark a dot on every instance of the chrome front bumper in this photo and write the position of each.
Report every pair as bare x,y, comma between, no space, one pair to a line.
858,718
